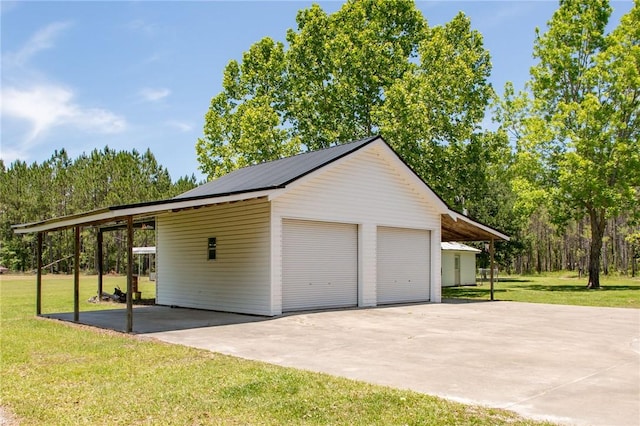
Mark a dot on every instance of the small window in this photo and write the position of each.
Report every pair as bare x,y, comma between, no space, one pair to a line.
211,248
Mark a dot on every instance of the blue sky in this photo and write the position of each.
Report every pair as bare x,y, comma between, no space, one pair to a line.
83,75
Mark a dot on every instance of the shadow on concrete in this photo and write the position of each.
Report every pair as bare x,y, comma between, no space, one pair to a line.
153,319
157,318
460,300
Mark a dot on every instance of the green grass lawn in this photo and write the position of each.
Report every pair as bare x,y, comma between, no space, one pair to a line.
55,373
557,288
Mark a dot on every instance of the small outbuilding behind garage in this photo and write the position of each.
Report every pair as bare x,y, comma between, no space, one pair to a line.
458,264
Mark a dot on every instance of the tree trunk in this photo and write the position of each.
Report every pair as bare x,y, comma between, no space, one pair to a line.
597,232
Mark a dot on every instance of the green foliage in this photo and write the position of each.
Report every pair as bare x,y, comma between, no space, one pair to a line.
577,137
342,65
243,125
61,186
372,67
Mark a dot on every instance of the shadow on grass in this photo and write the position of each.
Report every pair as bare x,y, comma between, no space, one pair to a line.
469,292
506,280
578,288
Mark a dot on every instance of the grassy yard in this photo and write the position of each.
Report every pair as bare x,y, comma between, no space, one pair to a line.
58,374
558,288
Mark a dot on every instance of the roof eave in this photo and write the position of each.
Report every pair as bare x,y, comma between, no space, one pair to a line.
490,233
115,213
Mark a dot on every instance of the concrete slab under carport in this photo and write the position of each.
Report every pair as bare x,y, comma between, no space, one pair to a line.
568,364
154,319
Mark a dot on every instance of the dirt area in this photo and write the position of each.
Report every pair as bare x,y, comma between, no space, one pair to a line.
7,418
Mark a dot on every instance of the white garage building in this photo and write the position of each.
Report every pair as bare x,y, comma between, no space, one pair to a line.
346,226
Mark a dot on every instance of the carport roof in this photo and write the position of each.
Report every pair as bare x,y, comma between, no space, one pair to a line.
458,227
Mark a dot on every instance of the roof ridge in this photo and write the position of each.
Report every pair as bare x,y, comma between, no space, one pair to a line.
337,145
276,173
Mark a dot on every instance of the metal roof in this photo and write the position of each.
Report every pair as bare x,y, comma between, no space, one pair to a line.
275,174
144,250
454,246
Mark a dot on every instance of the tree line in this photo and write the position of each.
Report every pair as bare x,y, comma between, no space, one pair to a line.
63,186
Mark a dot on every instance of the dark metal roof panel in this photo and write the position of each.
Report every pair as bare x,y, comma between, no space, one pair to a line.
274,174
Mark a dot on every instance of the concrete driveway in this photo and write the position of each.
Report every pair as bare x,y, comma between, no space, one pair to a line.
567,364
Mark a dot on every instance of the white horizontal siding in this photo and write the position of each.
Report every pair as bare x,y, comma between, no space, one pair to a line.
467,268
238,280
362,188
368,189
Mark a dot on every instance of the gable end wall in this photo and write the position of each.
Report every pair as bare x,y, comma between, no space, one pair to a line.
367,189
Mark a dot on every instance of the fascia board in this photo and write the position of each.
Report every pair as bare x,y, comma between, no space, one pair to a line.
117,212
457,216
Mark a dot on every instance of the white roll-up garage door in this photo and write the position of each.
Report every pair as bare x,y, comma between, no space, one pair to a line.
403,265
319,265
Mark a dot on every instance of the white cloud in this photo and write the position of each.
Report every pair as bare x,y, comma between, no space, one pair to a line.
154,95
508,11
41,40
142,26
45,107
10,154
32,105
180,125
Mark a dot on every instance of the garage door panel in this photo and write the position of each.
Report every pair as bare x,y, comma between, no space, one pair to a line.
319,262
403,265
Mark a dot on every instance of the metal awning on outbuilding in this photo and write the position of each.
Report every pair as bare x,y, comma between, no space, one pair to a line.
130,216
454,227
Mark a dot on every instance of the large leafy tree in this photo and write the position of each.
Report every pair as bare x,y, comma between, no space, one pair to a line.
245,123
341,66
432,114
372,67
586,90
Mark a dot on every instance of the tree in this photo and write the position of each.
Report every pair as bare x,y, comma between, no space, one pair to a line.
586,88
371,67
341,66
431,114
61,186
245,122
323,90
